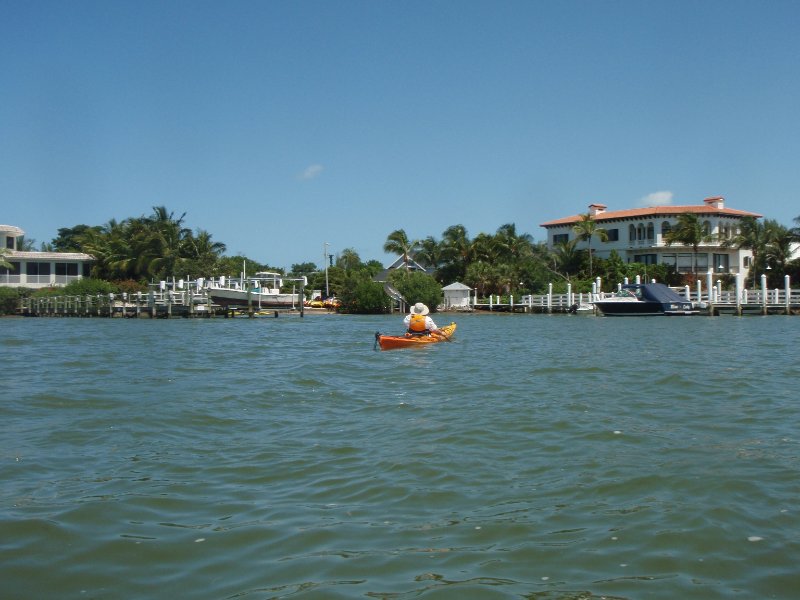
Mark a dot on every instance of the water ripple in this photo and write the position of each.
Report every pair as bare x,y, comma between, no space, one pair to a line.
536,457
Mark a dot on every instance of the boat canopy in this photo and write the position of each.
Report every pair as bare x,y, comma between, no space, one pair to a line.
656,292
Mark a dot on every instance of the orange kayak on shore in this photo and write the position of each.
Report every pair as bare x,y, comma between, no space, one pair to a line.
389,342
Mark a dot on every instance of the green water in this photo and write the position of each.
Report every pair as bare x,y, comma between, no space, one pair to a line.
540,457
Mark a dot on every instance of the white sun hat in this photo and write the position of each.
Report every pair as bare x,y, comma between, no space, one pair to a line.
419,309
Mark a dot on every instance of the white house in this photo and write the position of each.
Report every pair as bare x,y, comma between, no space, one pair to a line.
38,269
637,234
456,295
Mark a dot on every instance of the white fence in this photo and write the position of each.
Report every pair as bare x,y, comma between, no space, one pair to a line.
709,294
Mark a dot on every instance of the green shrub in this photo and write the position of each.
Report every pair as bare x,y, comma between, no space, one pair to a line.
88,287
47,292
9,300
416,286
130,286
80,287
361,295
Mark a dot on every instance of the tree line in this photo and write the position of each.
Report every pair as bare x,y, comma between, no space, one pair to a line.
138,250
769,242
508,262
146,248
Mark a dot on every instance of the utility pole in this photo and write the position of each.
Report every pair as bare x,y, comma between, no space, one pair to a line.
325,258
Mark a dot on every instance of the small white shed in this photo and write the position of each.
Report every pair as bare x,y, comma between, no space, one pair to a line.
456,295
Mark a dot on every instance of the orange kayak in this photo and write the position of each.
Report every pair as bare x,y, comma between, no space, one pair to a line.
389,342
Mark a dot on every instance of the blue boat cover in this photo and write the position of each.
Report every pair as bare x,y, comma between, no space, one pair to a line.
658,292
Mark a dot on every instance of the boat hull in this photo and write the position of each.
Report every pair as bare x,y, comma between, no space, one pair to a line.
645,299
391,342
648,299
235,298
644,309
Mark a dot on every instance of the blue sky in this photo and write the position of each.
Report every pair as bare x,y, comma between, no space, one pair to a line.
278,126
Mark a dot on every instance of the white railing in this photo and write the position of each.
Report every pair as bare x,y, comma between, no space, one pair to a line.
701,294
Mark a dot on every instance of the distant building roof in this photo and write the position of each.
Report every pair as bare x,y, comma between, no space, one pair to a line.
456,287
412,265
711,206
49,255
11,229
399,264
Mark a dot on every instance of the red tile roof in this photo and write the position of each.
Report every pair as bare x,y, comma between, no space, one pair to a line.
654,211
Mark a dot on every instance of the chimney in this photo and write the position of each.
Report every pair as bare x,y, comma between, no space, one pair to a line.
596,209
716,202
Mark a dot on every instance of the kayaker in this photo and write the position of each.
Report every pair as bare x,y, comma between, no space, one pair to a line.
418,322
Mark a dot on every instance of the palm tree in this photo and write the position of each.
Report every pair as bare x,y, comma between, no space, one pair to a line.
26,245
585,230
430,252
485,248
3,262
348,260
480,276
202,253
506,277
200,244
514,250
566,259
161,244
615,268
512,246
69,239
398,243
795,231
457,250
690,232
752,235
778,252
109,245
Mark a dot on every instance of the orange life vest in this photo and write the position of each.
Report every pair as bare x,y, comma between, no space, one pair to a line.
417,324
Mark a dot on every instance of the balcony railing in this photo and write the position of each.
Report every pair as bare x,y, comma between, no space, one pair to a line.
660,243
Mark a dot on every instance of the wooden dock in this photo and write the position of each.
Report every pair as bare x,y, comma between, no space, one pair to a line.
194,302
150,305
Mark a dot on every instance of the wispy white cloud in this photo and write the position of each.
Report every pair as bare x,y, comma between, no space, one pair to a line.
657,199
311,172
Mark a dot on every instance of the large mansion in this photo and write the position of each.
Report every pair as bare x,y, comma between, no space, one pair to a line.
637,235
38,269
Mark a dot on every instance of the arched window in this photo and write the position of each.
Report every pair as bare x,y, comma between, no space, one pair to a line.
640,232
706,228
632,233
666,227
651,231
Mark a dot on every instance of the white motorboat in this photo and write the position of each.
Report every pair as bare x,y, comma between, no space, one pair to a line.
262,290
645,299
